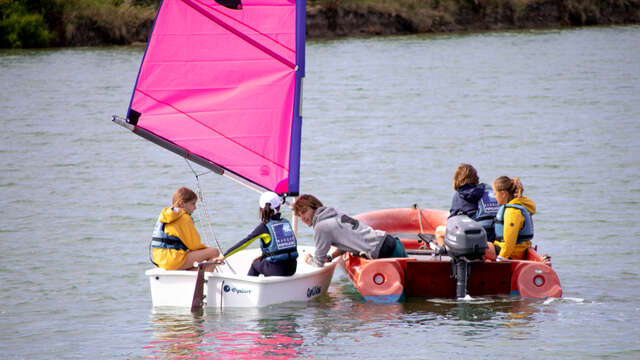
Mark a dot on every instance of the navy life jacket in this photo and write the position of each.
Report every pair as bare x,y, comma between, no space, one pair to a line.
162,240
525,234
487,208
283,244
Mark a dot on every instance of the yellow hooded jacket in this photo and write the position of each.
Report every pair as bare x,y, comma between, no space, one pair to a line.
513,222
179,224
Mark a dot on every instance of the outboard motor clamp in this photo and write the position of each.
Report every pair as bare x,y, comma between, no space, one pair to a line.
466,242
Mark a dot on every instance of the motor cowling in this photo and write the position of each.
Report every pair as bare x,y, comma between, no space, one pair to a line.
465,237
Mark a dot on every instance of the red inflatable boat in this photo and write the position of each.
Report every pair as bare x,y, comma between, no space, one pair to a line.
424,275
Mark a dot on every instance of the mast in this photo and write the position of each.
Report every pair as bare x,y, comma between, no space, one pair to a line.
296,129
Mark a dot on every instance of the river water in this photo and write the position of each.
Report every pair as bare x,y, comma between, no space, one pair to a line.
386,122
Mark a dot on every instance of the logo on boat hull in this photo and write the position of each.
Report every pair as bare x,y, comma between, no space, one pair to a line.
311,292
233,290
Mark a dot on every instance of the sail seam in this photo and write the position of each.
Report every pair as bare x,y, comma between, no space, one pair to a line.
251,27
212,129
240,34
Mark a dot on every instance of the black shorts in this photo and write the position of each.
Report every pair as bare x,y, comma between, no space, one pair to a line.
280,268
387,248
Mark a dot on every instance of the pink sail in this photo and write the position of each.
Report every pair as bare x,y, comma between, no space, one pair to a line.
223,84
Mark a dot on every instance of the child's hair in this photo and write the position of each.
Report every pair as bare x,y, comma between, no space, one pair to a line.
183,195
513,187
465,174
306,201
266,213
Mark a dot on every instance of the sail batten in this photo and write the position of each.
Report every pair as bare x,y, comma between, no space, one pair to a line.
224,85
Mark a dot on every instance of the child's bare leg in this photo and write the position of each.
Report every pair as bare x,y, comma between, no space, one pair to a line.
439,233
200,256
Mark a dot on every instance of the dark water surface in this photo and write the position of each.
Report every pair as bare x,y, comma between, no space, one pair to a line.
386,122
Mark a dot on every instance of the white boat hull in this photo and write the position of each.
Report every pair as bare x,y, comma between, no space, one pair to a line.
230,286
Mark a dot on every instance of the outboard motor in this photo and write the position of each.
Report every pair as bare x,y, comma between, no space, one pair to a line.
466,242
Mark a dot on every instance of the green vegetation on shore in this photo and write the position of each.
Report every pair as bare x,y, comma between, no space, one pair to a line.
44,23
371,17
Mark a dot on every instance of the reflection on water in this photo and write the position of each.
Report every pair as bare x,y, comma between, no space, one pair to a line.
339,320
495,311
184,336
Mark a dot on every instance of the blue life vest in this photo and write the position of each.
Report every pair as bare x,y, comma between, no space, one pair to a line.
525,234
283,244
162,240
487,208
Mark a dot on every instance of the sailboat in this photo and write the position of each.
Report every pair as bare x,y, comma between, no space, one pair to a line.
220,84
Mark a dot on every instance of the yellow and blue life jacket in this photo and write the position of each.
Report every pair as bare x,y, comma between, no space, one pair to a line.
525,234
162,240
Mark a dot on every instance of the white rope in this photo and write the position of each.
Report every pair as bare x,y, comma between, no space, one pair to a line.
204,205
206,210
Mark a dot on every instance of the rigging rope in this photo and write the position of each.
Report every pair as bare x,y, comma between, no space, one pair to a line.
415,206
206,210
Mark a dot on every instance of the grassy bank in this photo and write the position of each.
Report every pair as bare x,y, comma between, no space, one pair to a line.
43,23
371,17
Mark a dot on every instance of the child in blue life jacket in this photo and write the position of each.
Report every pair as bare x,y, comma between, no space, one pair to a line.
474,199
175,244
277,241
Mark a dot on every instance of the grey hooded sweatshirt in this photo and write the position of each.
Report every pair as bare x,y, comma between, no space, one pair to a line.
333,227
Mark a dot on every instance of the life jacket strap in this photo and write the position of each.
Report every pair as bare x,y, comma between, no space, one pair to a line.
520,238
487,217
279,252
164,243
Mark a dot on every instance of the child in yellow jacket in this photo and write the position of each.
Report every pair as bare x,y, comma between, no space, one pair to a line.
176,243
514,222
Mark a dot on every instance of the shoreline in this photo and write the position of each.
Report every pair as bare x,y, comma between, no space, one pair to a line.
356,19
128,24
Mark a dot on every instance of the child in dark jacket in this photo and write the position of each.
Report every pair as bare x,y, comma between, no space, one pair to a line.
277,241
474,199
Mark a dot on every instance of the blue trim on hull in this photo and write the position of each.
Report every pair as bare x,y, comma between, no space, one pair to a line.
385,299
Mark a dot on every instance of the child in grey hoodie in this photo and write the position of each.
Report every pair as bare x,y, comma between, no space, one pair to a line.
332,227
